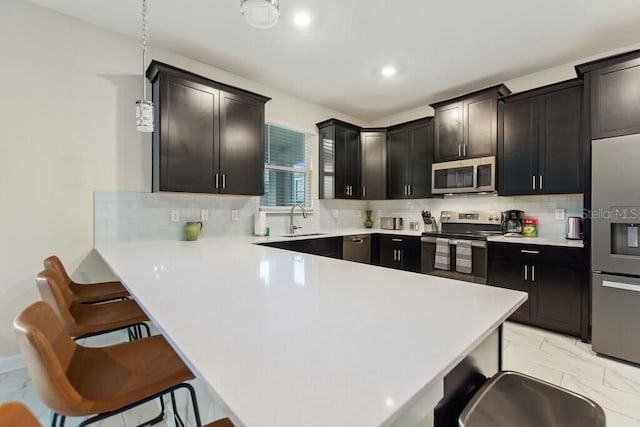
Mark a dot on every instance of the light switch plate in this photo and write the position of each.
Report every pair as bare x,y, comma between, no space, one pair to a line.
560,214
175,215
204,214
235,215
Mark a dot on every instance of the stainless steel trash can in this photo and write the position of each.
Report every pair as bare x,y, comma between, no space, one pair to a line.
511,399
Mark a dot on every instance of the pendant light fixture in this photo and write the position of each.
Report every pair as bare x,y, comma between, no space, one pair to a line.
260,13
144,107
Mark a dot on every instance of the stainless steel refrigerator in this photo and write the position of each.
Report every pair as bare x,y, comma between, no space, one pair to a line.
615,249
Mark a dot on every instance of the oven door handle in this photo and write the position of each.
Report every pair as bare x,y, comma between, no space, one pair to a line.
453,242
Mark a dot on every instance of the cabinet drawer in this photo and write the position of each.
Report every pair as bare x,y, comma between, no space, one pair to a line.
529,252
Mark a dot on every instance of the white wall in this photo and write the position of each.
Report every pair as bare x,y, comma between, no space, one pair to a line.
518,84
67,129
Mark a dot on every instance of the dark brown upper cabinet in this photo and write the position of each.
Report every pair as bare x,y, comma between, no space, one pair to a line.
612,91
540,141
409,159
466,126
339,144
209,137
373,166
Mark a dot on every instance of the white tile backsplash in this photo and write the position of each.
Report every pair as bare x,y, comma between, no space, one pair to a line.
128,216
540,207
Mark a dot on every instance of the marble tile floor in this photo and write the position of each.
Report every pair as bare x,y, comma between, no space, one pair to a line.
559,359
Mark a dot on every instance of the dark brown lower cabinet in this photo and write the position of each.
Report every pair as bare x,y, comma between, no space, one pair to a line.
555,278
328,246
400,252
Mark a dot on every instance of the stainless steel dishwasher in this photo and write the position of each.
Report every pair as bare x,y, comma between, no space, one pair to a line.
357,248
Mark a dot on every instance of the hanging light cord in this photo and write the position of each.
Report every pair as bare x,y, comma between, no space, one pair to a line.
145,30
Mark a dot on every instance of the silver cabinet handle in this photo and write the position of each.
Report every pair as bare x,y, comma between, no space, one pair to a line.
396,240
395,254
409,187
364,191
224,181
525,272
217,181
540,182
527,251
459,154
534,181
357,241
533,273
399,255
464,150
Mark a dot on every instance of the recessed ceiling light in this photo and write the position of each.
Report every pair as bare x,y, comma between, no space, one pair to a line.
388,71
302,19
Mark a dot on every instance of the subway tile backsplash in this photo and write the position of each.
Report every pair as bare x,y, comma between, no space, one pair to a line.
128,216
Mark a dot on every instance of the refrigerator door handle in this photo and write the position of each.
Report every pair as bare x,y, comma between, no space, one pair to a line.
618,285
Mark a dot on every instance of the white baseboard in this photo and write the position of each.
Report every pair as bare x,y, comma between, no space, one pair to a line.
11,363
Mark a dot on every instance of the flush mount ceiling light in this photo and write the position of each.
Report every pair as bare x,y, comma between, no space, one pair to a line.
302,19
388,71
260,13
144,107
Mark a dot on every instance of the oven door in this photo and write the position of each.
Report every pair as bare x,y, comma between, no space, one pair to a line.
478,260
464,176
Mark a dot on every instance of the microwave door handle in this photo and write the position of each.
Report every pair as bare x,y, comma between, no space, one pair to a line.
475,176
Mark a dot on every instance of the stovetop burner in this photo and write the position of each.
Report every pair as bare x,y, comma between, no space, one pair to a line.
467,225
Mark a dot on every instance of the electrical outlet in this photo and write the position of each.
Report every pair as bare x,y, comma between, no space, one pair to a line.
204,214
560,213
359,214
335,213
175,215
235,215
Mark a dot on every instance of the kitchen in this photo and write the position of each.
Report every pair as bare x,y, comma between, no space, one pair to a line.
65,69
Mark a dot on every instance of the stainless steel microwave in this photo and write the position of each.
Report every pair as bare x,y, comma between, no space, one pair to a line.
464,176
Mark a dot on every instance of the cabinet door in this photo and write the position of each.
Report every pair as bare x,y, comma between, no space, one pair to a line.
187,138
421,161
398,171
340,164
374,165
391,252
480,126
510,274
352,163
448,132
241,145
518,147
556,296
615,99
560,141
327,157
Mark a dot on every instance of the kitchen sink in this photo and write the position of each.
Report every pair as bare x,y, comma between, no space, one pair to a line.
303,234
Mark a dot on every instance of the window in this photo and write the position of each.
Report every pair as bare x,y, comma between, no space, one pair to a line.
287,176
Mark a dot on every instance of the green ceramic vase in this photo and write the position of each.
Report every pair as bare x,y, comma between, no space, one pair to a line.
368,223
192,230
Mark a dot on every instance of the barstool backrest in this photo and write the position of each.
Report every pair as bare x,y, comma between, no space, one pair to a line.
58,295
54,263
48,351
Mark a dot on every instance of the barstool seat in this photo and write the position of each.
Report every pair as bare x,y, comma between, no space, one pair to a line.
80,320
513,399
14,414
90,292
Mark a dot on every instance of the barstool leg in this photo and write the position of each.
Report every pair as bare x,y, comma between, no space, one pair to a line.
54,419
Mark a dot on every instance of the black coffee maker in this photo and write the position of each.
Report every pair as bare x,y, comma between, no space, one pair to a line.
512,223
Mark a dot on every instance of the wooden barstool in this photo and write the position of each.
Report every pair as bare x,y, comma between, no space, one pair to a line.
78,381
87,293
84,320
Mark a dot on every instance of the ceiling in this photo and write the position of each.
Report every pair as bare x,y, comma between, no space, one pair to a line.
442,48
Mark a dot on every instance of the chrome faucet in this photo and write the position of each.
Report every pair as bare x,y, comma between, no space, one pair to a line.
293,227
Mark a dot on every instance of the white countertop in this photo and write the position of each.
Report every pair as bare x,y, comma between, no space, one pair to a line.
538,241
287,339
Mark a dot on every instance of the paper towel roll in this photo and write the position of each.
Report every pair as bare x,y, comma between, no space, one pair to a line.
260,223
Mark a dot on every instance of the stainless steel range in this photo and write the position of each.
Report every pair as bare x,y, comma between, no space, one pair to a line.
459,249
